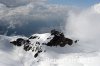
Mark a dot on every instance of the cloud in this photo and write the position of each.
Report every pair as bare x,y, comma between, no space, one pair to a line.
33,16
87,21
97,8
85,26
15,3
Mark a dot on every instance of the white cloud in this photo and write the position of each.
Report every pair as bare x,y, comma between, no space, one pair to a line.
97,8
33,13
14,3
85,26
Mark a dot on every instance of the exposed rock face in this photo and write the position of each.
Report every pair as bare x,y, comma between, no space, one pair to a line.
18,42
35,42
59,39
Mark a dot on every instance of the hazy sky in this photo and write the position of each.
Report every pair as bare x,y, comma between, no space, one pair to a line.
39,15
79,3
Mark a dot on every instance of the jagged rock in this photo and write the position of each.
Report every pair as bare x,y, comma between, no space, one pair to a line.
18,42
76,41
33,37
59,39
39,51
27,47
34,43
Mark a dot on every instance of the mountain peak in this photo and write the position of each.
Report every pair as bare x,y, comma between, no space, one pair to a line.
35,42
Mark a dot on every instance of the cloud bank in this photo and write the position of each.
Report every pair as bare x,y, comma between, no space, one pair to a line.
28,18
85,26
16,3
31,18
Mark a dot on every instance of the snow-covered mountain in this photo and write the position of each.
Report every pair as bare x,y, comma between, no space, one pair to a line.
31,51
41,54
44,49
35,42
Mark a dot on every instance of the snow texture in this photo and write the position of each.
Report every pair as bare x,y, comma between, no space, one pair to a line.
84,26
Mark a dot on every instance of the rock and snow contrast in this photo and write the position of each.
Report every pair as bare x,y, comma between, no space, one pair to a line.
76,43
35,51
35,42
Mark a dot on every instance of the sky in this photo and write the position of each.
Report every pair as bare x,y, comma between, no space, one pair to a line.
28,17
79,3
39,16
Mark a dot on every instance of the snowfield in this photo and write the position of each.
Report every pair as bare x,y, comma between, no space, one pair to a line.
84,26
80,54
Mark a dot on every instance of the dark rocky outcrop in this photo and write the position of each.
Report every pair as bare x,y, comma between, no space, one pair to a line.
76,41
33,37
27,45
18,42
58,40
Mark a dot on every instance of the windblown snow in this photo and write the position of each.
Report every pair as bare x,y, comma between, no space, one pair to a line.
84,26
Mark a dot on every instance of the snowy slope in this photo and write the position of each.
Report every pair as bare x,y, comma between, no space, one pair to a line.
85,27
75,55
